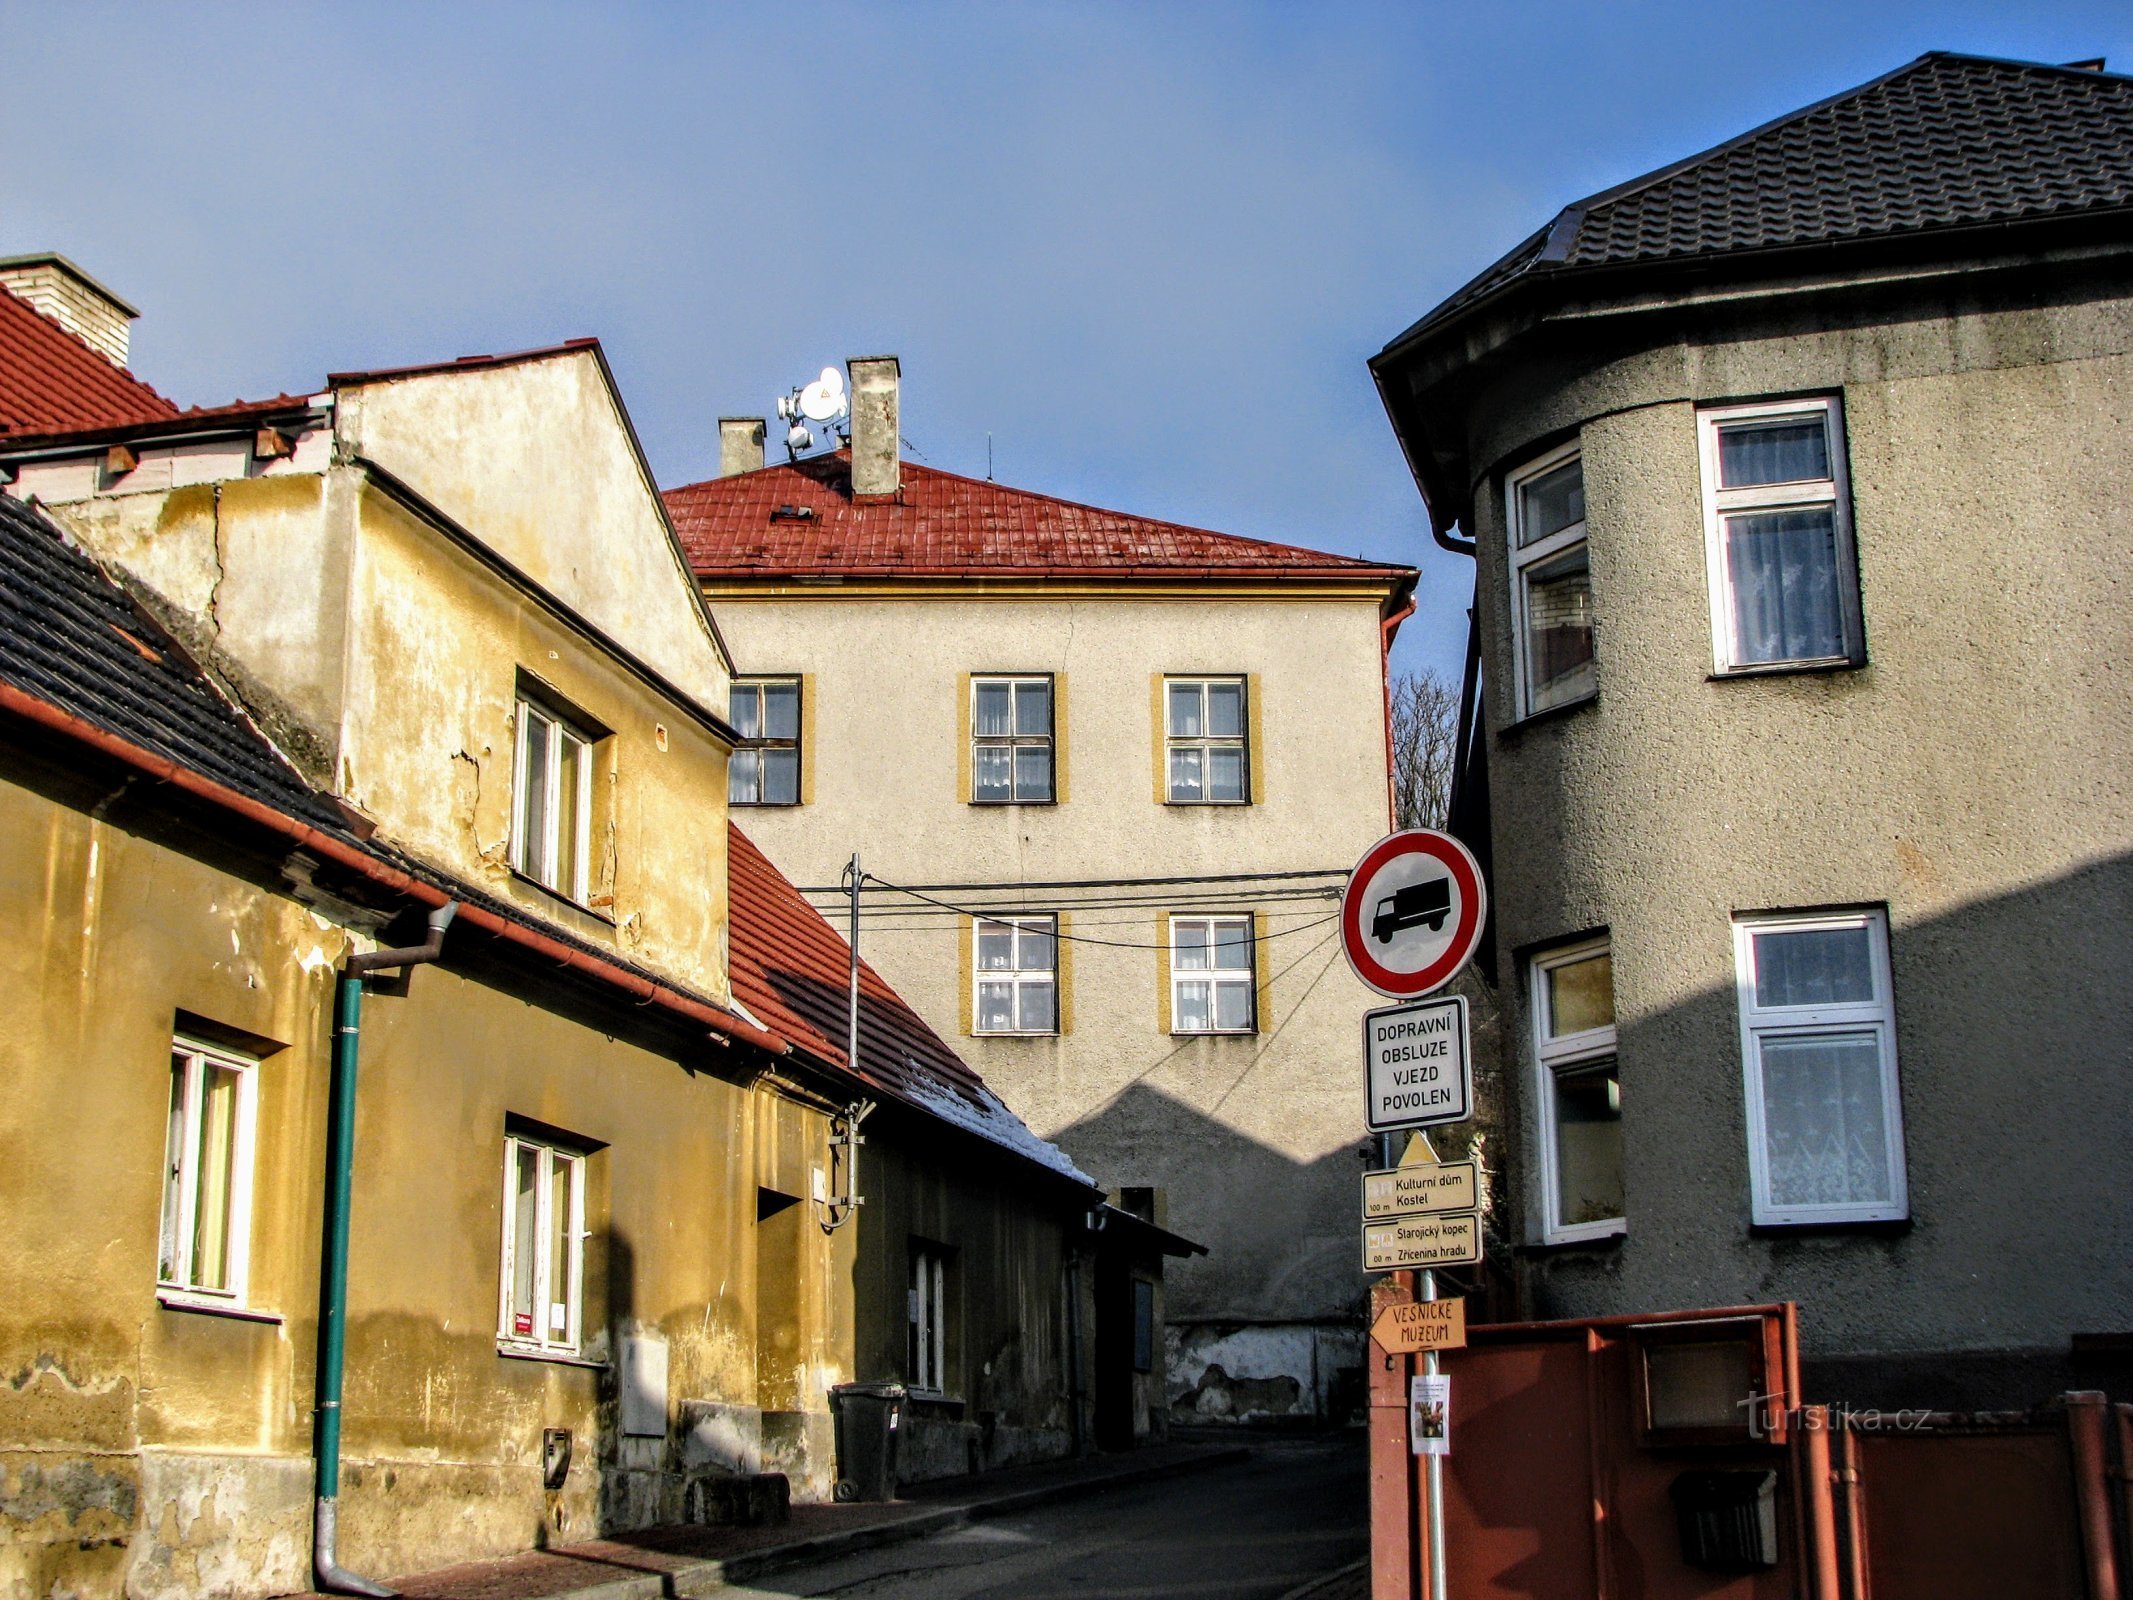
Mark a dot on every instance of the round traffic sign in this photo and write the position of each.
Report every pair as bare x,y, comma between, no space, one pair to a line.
1412,912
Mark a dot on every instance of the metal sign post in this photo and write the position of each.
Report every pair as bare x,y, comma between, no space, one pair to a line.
1434,1468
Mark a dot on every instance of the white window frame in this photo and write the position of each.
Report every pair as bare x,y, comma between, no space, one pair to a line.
1719,503
1518,559
928,1320
1552,1056
1015,740
1017,976
763,742
1758,1023
181,1186
542,870
1247,977
542,1341
1206,742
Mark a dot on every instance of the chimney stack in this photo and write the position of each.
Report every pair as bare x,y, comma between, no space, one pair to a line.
59,289
877,440
740,445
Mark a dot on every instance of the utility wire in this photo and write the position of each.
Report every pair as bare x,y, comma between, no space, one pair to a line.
1084,883
1080,938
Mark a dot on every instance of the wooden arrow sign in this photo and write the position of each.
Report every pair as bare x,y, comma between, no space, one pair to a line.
1402,1330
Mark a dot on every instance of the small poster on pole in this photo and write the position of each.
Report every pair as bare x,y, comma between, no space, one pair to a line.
1429,1413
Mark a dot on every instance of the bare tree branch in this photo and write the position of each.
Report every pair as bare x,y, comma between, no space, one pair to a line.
1425,743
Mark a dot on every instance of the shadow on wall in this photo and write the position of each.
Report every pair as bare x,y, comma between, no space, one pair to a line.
2013,1015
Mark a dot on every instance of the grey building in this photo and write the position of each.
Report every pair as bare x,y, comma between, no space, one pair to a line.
1796,477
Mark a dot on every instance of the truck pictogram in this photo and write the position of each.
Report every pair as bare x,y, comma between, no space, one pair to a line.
1417,904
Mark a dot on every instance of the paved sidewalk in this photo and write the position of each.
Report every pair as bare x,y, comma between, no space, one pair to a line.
690,1561
1351,1582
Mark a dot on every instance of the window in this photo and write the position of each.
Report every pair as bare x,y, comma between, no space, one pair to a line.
1143,1325
1580,1092
765,771
544,1248
1211,975
1551,584
1818,1038
1204,741
1017,976
1777,521
928,1363
1011,740
207,1175
551,824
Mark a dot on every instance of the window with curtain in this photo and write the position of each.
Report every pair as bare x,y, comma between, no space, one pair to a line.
1818,1039
1205,741
1580,1091
927,1360
1212,977
1551,583
765,770
207,1175
1777,515
1011,740
1015,976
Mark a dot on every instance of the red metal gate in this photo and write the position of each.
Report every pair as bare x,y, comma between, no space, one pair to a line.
1614,1459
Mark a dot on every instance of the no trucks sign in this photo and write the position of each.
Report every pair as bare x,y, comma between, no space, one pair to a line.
1412,913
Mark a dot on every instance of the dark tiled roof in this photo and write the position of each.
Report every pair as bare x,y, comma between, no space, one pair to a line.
70,637
51,381
800,517
1949,141
793,971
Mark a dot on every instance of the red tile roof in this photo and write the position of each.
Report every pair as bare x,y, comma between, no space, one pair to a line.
792,971
51,381
800,518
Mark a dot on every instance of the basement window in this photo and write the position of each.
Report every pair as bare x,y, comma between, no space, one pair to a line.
207,1176
542,1297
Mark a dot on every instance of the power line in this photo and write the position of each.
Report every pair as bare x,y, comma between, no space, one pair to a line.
1081,938
1085,883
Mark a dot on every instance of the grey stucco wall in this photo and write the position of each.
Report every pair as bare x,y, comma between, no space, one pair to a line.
1970,778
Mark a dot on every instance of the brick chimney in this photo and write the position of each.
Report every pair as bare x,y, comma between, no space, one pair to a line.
740,445
877,441
70,297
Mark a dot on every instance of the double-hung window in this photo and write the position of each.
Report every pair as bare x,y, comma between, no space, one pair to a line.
1205,741
1551,583
551,827
928,1355
765,770
1778,531
1818,1038
1011,740
1212,976
1016,976
207,1175
1580,1092
542,1297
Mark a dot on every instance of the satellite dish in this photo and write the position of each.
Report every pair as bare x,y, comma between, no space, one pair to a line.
824,398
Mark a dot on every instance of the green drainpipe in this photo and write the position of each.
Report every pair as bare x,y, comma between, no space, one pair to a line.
333,1275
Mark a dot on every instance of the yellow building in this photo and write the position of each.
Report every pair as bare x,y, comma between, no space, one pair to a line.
1108,775
295,678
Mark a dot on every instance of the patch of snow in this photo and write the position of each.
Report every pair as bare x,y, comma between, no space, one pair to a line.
990,1119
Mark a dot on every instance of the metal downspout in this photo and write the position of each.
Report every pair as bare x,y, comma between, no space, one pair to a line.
333,1276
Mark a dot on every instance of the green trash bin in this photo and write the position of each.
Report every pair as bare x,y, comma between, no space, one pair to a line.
867,1418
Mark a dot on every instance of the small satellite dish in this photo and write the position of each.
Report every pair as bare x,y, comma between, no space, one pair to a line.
824,399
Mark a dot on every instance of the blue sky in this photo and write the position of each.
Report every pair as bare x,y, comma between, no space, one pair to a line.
1147,247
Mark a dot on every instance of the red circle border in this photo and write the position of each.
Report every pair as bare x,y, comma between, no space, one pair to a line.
1473,902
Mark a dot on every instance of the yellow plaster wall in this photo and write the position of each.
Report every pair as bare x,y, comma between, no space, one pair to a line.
438,644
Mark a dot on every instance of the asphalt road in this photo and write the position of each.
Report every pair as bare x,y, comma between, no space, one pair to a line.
1249,1530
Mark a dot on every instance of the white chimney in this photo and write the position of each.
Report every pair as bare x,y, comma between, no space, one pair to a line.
740,445
877,440
70,297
